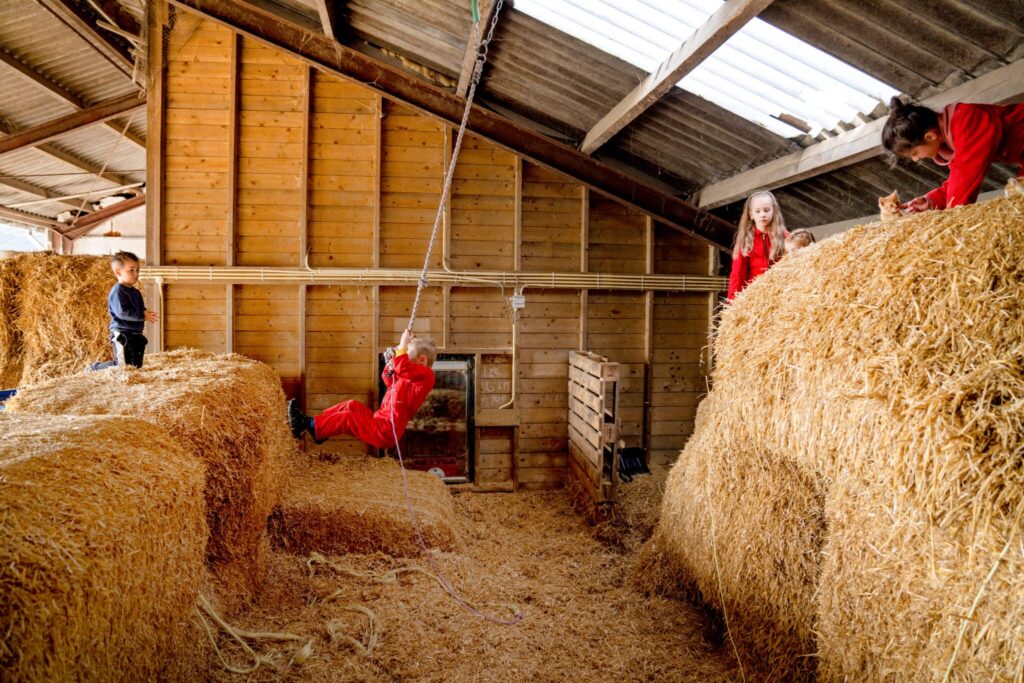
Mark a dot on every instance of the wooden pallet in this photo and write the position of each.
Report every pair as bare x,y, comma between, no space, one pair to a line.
594,425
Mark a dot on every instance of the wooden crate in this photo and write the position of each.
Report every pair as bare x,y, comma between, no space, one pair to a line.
594,425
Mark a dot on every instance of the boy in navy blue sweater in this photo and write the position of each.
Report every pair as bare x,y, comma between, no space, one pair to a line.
128,314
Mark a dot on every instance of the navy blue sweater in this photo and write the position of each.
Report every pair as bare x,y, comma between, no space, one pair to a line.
127,310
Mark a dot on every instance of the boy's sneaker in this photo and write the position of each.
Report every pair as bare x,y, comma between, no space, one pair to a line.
297,419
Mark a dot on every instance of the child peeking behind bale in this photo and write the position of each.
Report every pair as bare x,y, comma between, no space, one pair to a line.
409,379
128,314
798,239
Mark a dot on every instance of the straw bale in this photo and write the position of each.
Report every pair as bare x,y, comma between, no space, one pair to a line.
11,360
582,620
357,504
883,369
102,531
62,319
227,412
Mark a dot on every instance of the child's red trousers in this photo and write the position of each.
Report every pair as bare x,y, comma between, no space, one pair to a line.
355,419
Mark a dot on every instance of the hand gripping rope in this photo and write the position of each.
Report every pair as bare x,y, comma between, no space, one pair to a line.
481,57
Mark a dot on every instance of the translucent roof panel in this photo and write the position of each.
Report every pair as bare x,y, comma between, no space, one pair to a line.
760,73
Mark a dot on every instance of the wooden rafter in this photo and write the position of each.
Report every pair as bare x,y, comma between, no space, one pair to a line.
51,130
43,193
70,159
720,26
328,18
27,218
865,142
84,225
84,25
487,8
329,56
61,93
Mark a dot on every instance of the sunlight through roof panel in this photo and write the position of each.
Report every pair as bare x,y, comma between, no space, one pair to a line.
761,73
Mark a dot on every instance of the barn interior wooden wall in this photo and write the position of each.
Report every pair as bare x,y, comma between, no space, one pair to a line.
262,160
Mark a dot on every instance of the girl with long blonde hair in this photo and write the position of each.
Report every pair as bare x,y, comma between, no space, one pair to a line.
760,240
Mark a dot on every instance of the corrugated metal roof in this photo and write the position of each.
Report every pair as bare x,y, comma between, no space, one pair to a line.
565,85
34,36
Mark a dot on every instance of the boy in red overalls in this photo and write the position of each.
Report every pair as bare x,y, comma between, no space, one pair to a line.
409,380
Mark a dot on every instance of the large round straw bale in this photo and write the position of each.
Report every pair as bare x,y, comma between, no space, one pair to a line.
62,318
357,505
102,532
884,371
227,412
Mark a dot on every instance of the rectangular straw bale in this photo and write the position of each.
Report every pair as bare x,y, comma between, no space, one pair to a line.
11,361
62,318
357,505
102,537
227,412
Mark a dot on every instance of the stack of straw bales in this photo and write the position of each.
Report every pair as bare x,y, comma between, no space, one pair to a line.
102,532
226,412
358,505
852,496
53,316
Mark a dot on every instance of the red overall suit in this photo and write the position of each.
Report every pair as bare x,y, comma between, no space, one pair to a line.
407,389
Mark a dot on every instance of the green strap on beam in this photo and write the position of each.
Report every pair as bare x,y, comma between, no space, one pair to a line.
474,7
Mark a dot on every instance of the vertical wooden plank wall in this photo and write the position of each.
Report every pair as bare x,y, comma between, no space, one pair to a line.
680,329
265,157
615,320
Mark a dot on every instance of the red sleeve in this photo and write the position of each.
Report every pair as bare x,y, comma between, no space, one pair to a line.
976,135
413,372
738,274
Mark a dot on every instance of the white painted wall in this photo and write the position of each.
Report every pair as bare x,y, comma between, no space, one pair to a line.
132,226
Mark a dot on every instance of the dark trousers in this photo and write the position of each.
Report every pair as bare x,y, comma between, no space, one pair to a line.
129,348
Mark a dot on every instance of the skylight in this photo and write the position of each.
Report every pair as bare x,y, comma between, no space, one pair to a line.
760,73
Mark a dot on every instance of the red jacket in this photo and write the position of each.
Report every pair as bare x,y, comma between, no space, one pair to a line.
746,268
407,390
977,135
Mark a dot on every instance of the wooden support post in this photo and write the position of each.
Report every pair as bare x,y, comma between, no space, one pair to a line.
517,243
645,427
378,163
234,101
713,266
584,262
229,318
156,18
307,112
302,345
447,317
375,343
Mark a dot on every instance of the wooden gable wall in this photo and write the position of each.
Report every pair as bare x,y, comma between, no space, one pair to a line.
268,162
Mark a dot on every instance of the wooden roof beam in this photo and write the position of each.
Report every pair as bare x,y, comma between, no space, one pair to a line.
42,193
61,93
328,18
84,225
26,218
712,34
51,130
487,10
331,57
1001,86
79,21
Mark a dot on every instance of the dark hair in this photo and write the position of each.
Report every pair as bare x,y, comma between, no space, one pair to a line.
120,257
907,125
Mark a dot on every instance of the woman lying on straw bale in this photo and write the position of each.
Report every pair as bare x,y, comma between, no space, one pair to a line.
409,380
759,240
968,138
